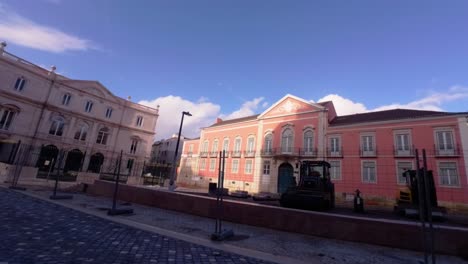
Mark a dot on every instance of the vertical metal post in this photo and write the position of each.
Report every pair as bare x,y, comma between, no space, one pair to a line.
222,158
218,200
428,208
119,163
421,206
14,155
60,159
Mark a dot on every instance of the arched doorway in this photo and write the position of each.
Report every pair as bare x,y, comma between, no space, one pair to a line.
74,159
285,177
95,163
47,158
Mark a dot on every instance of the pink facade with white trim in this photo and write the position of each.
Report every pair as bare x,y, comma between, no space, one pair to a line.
367,151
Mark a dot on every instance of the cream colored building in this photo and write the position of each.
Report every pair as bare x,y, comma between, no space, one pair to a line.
51,114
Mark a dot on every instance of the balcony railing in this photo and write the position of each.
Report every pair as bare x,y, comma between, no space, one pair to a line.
308,152
189,154
447,152
267,152
336,153
409,152
204,154
213,154
368,152
236,154
249,153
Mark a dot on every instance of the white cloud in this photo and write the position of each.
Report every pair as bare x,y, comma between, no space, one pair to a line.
203,113
434,101
344,106
22,31
247,109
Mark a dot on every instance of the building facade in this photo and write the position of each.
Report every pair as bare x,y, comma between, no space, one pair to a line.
47,118
162,151
367,151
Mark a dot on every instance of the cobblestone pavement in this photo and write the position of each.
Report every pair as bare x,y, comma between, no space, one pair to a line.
36,231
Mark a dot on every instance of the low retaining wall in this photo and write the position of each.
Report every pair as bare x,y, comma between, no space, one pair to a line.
397,234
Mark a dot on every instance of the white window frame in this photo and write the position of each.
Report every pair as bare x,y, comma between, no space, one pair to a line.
335,145
215,146
248,169
250,146
268,143
82,133
102,139
237,146
6,118
226,144
333,172
134,145
19,84
139,121
203,164
88,106
235,166
266,167
368,148
109,112
308,142
449,177
66,99
399,178
212,164
57,128
400,148
287,140
364,175
444,149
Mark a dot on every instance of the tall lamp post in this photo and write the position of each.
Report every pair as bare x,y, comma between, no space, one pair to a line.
174,167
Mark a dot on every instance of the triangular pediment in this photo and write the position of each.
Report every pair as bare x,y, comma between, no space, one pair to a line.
289,105
92,87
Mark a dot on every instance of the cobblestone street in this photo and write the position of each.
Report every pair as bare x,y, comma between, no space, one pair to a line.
36,231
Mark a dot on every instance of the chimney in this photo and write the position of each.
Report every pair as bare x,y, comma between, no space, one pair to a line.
218,120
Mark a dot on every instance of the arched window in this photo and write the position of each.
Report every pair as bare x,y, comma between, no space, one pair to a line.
81,133
268,145
103,135
7,113
250,152
308,141
56,128
226,144
215,146
237,147
287,141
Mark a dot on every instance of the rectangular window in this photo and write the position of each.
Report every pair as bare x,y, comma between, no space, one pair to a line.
237,145
335,146
202,164
226,144
66,99
212,164
19,85
403,166
130,164
235,166
367,145
448,174
248,166
368,172
88,106
402,142
6,118
109,112
134,145
444,142
335,170
139,121
266,167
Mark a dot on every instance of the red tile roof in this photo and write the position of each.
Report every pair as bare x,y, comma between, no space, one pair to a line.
236,120
387,115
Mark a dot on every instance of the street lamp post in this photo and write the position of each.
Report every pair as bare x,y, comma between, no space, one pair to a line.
174,168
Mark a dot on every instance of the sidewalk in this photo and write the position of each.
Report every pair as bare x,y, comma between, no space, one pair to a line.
266,244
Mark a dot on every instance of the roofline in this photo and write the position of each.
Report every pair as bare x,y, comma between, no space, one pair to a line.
291,96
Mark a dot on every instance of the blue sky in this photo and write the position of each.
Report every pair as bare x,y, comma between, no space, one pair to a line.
236,58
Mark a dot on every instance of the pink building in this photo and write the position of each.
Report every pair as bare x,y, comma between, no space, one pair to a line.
367,151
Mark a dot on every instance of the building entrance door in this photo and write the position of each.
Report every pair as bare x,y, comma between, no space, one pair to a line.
285,177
